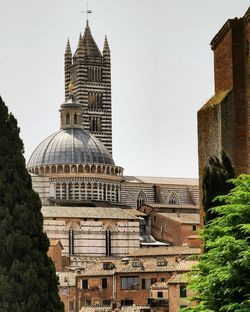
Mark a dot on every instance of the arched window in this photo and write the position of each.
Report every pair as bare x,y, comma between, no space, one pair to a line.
75,119
173,199
108,242
67,119
94,100
99,101
91,74
141,199
71,242
95,124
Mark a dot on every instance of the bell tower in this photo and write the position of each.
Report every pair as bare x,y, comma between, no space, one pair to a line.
90,72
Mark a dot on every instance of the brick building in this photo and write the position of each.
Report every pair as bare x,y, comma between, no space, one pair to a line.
131,281
223,122
67,290
176,224
55,252
175,228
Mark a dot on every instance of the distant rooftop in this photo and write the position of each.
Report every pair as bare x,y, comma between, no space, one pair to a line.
162,180
175,206
86,212
165,251
133,308
187,218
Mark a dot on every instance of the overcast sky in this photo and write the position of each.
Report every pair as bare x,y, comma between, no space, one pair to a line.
162,72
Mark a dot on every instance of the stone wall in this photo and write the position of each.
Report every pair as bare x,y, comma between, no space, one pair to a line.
90,236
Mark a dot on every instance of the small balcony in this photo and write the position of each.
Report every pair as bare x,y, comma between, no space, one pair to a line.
153,302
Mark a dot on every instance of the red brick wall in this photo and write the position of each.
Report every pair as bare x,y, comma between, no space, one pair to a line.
223,63
68,299
174,298
55,252
95,292
139,296
173,231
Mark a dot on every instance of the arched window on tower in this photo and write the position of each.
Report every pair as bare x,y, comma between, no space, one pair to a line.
95,124
141,199
94,100
99,101
75,119
99,74
67,119
173,199
90,73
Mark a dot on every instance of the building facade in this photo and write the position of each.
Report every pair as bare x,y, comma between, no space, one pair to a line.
89,205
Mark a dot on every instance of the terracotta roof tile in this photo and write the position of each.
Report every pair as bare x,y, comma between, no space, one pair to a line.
86,212
149,264
186,265
165,251
162,180
172,206
160,285
178,279
187,218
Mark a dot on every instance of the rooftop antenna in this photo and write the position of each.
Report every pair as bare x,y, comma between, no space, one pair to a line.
87,12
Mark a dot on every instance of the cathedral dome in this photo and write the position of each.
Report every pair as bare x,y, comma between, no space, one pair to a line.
70,146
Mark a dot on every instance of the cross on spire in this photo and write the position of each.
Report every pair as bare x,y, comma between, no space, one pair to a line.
87,12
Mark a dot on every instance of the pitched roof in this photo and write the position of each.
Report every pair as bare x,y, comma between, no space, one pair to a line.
133,308
187,218
178,279
149,264
165,251
186,265
162,180
86,212
160,285
135,212
172,206
96,309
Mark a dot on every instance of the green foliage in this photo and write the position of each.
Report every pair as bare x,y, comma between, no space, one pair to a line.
215,182
27,275
222,283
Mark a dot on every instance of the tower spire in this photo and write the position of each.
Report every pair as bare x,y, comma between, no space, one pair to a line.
106,51
106,44
67,65
68,48
80,48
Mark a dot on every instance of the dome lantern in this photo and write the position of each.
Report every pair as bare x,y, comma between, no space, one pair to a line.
71,111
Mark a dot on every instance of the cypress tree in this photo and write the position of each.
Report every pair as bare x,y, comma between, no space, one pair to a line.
28,281
215,182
